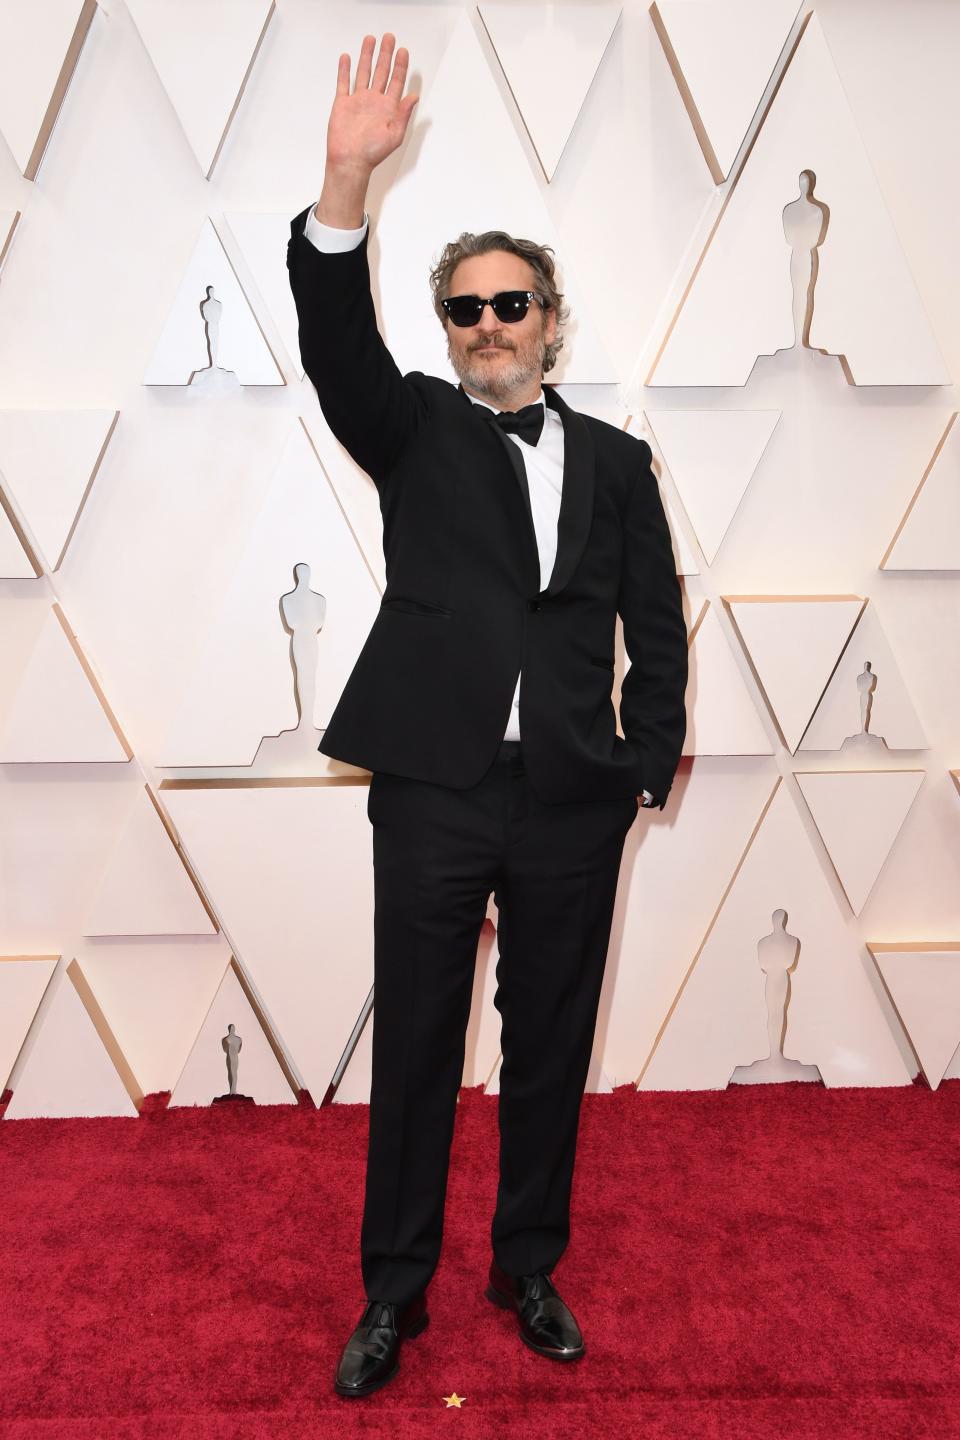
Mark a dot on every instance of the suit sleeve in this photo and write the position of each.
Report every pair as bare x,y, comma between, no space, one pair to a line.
371,408
652,704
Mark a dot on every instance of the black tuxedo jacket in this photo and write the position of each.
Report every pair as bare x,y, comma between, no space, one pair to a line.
430,694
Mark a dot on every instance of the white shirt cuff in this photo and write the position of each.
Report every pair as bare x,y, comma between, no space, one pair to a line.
330,237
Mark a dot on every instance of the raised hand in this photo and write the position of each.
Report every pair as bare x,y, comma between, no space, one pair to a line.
368,123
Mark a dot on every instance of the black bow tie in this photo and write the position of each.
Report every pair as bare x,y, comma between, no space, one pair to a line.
526,422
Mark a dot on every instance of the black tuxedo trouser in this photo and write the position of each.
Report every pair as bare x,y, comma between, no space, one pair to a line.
438,853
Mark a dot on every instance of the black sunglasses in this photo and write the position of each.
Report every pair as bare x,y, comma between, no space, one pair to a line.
509,306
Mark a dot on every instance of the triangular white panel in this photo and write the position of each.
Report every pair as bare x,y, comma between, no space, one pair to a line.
691,850
451,186
719,1019
890,714
794,642
56,714
739,304
68,1069
154,995
21,621
179,494
859,815
145,889
722,55
39,48
929,534
924,979
48,460
569,42
356,494
289,870
205,1075
711,456
23,979
722,717
203,51
237,694
262,237
240,347
17,561
684,552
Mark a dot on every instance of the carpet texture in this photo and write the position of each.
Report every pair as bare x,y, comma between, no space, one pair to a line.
768,1261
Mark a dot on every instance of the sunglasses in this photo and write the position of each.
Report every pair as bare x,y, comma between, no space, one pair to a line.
509,306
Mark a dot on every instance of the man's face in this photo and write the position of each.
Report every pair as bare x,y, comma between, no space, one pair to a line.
493,359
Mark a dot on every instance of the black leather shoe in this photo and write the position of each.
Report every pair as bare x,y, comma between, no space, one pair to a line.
371,1356
546,1324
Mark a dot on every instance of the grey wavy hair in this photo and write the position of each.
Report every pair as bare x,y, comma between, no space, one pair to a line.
539,258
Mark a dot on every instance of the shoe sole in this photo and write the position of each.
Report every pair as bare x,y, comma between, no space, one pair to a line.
356,1392
506,1304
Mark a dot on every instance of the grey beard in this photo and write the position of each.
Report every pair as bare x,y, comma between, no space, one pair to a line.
511,374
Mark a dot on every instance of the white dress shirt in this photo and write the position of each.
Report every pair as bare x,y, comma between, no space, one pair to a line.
543,462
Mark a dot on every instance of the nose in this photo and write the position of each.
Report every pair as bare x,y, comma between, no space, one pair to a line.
488,329
488,320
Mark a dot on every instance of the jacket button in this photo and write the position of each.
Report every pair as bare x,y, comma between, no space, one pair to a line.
533,604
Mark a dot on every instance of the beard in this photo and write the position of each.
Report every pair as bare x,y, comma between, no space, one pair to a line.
499,379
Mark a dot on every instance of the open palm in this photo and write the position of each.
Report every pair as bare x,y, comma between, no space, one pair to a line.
367,124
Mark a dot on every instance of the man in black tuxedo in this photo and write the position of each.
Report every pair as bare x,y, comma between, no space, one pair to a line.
515,530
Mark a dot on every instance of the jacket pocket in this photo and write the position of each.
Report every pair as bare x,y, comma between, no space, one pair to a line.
599,660
409,606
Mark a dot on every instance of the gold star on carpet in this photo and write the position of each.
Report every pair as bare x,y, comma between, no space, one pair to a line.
454,1400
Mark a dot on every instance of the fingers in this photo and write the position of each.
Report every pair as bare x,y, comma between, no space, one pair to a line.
395,88
383,62
382,72
363,64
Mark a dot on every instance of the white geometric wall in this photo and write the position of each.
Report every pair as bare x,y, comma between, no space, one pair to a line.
175,854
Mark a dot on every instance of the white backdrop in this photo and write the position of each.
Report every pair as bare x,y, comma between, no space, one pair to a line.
175,855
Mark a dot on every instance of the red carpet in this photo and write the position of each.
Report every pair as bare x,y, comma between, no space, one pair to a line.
773,1261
